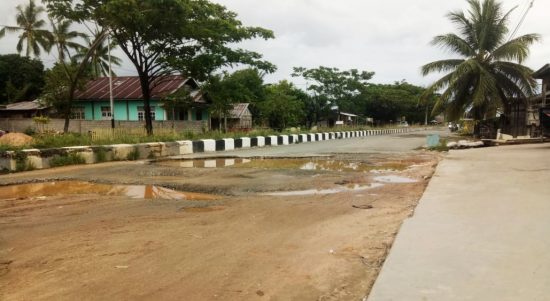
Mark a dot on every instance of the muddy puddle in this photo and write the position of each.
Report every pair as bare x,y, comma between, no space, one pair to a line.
394,179
298,163
349,188
148,192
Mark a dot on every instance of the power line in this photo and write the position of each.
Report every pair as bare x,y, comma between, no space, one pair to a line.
529,6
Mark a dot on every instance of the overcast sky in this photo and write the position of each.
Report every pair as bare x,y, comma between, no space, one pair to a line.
388,37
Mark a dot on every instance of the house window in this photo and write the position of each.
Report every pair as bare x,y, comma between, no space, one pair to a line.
141,113
105,113
78,113
198,115
183,115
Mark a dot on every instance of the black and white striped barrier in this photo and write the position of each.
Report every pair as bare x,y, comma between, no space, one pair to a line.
40,159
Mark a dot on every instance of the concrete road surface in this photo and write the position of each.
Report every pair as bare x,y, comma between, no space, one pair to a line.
480,232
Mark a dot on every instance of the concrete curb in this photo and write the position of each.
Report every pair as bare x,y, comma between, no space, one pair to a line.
40,159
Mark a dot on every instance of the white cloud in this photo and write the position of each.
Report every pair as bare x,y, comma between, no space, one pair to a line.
388,37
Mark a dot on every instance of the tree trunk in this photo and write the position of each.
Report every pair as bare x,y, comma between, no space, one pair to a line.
147,111
66,125
225,123
146,91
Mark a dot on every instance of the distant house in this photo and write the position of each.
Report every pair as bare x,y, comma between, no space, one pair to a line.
240,117
93,102
23,109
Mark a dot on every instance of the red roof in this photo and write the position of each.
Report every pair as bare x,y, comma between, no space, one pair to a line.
128,87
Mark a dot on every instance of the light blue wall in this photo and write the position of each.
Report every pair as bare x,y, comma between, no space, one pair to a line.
123,109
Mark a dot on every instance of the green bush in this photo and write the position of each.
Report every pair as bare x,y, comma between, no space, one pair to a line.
64,160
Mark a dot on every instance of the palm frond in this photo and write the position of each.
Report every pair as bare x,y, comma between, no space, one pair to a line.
440,66
454,43
516,49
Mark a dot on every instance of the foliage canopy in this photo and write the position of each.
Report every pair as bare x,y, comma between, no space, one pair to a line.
488,73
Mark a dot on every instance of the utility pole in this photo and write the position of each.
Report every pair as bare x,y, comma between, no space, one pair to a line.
111,84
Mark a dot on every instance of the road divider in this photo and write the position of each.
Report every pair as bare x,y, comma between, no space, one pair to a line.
29,159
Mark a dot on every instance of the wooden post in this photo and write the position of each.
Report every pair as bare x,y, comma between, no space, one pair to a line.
544,89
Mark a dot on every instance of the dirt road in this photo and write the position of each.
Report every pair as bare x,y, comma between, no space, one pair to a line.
324,238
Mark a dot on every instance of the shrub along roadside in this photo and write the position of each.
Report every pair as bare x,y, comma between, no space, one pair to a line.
67,159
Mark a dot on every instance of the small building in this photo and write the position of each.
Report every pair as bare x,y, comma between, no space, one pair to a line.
240,118
524,118
346,119
93,102
542,103
23,109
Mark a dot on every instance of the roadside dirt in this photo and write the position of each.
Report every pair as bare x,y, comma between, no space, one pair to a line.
245,245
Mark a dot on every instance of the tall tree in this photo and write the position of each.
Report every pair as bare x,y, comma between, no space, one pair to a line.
282,108
332,87
488,73
99,60
64,38
387,103
192,37
31,27
21,78
58,89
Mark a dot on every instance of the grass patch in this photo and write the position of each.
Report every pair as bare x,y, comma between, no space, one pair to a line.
100,155
133,155
22,162
68,159
441,147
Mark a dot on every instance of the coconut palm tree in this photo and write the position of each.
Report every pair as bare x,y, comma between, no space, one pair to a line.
64,38
31,28
99,60
488,74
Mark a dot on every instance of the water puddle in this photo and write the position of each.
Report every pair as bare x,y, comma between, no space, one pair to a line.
351,188
298,163
394,179
148,192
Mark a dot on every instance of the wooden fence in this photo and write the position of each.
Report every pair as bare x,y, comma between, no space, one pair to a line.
117,133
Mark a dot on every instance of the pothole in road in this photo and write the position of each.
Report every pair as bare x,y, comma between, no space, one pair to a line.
349,188
394,179
148,192
314,164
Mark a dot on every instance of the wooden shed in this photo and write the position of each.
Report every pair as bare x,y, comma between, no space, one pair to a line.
240,118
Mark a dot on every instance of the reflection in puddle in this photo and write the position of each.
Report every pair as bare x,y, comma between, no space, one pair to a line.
394,179
204,163
298,163
148,192
353,188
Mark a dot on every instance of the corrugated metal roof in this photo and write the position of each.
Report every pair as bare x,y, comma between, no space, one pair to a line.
129,87
348,114
22,106
542,72
238,110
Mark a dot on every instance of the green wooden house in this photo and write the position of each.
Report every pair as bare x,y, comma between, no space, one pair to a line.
93,102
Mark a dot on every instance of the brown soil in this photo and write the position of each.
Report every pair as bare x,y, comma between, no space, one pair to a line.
16,139
243,246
